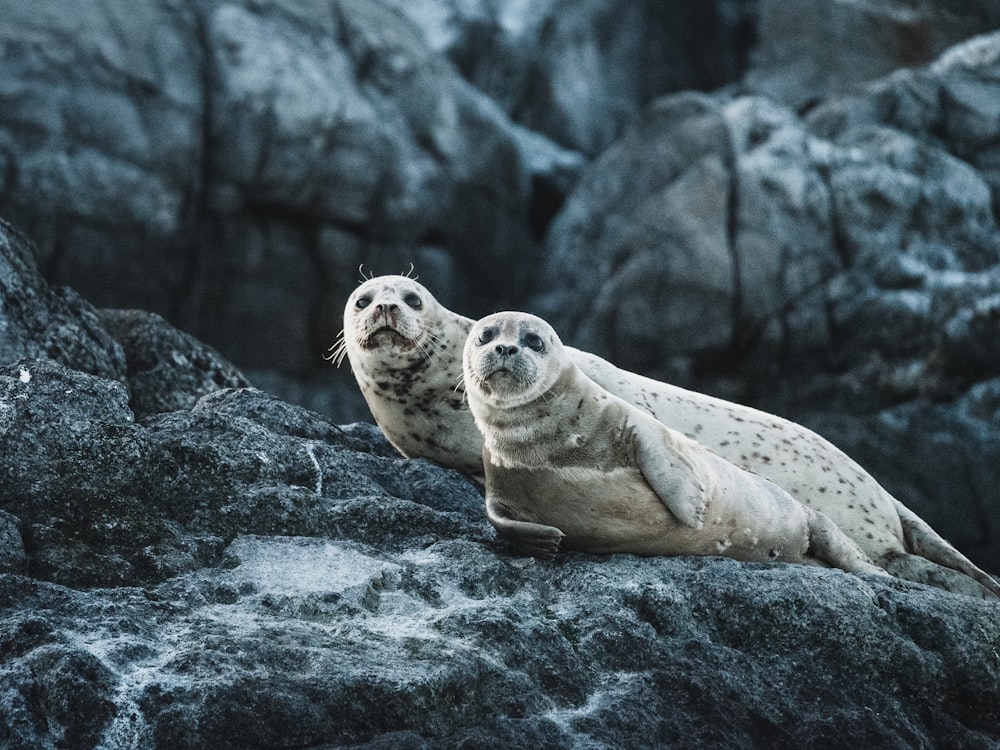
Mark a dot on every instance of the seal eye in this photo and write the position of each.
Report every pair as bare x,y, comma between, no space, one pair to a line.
534,342
413,301
486,336
363,302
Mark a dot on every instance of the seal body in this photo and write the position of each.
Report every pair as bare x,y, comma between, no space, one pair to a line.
409,381
567,463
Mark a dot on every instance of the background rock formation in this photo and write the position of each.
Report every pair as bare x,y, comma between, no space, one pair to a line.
801,216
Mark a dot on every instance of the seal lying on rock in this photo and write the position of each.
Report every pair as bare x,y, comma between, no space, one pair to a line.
406,357
567,462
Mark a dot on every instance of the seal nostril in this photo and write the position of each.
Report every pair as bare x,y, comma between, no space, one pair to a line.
505,351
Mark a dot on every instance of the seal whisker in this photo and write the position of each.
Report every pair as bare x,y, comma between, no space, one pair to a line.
336,353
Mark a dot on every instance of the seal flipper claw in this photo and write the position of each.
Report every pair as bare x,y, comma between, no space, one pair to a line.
535,539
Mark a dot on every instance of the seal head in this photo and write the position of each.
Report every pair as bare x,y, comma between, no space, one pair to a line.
508,358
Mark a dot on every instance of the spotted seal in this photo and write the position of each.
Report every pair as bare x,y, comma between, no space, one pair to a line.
567,463
409,372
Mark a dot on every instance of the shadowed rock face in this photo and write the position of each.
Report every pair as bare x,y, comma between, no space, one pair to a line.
241,572
197,158
809,50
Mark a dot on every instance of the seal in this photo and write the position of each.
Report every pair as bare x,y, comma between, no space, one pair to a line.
567,463
405,351
422,415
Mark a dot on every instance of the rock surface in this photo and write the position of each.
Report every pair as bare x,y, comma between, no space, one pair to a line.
847,42
239,572
196,158
218,162
576,71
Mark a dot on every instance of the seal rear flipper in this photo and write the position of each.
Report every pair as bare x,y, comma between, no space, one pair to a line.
925,543
827,542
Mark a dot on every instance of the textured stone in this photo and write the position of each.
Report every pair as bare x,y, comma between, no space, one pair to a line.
245,572
39,321
578,71
847,42
166,369
334,643
198,159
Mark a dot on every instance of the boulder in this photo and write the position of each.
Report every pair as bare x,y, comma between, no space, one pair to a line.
241,571
578,71
218,162
799,62
166,369
313,641
37,320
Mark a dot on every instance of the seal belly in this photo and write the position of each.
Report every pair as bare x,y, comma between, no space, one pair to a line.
599,510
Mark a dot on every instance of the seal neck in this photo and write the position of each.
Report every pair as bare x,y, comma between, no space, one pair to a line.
523,435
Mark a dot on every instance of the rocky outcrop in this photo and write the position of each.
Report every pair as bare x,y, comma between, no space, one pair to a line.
56,323
578,71
186,561
313,642
238,572
194,158
166,369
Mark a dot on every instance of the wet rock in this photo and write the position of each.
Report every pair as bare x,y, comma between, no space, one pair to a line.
104,500
336,643
245,572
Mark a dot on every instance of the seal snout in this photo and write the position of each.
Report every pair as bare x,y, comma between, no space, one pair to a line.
506,350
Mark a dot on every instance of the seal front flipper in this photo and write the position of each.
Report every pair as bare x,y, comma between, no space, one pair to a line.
534,539
661,456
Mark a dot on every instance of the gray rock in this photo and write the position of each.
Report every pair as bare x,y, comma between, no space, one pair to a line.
196,159
798,62
161,502
335,643
39,321
246,573
951,103
166,369
578,71
12,555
